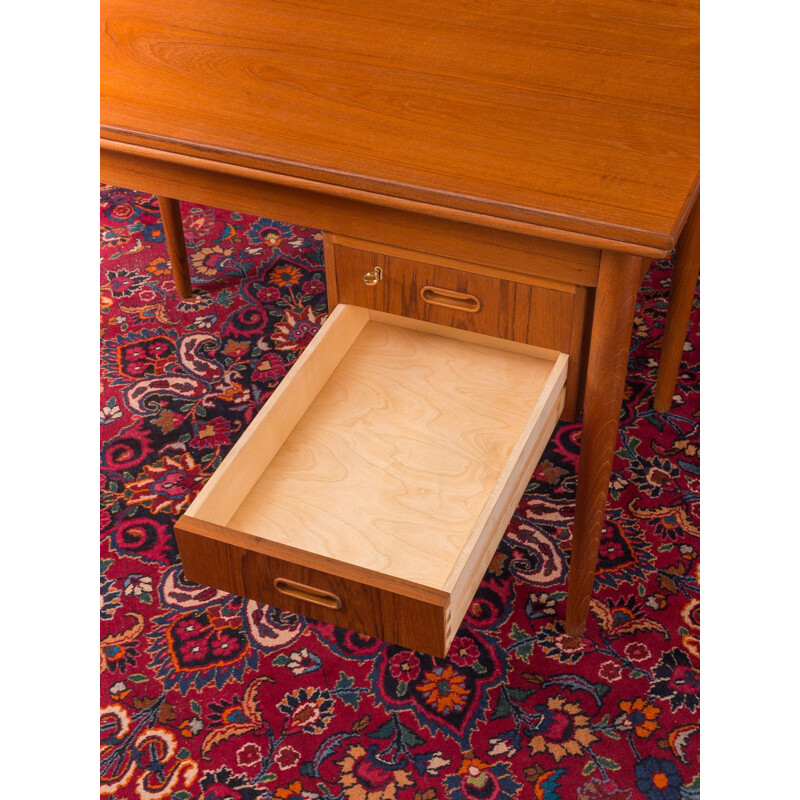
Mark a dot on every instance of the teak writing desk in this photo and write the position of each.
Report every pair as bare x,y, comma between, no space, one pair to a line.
502,170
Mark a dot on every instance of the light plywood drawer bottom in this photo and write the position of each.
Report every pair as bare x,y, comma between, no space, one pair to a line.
373,487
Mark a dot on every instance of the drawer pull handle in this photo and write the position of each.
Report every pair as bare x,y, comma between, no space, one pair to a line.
301,591
450,299
373,277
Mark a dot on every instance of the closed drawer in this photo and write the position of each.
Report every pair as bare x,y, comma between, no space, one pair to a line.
459,298
373,487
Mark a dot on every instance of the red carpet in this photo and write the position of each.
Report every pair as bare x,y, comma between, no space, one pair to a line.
214,696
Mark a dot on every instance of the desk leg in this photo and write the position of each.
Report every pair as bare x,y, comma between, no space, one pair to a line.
176,244
684,282
612,323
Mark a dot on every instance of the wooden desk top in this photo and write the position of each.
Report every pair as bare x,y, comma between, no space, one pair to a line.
575,115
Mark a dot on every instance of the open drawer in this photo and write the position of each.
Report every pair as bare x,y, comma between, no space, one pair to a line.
375,484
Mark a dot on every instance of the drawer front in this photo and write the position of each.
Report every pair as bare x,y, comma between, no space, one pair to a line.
458,298
241,565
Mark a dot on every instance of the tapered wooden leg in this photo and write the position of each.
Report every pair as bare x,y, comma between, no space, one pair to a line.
615,302
176,244
684,282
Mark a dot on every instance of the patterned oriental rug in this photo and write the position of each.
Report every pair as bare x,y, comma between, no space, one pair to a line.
207,695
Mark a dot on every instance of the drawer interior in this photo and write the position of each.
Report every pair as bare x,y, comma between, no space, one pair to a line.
550,314
395,446
393,461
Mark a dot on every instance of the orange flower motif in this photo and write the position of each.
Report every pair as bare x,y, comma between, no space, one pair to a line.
476,772
208,260
282,275
561,729
444,689
296,330
158,266
169,485
272,239
618,619
639,715
471,766
235,348
365,777
307,709
292,791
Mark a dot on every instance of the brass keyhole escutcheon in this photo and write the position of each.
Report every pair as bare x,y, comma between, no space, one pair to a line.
373,277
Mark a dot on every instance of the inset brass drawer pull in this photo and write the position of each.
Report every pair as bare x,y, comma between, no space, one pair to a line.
300,591
450,299
373,277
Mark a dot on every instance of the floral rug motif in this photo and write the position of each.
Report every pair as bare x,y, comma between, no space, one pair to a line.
207,695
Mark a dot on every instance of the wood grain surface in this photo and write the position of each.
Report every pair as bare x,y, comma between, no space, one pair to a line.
576,115
519,307
176,244
559,255
508,309
240,469
685,272
397,612
615,303
419,226
478,551
394,461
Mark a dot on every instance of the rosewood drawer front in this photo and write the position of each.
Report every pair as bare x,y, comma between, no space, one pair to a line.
319,587
373,487
515,310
